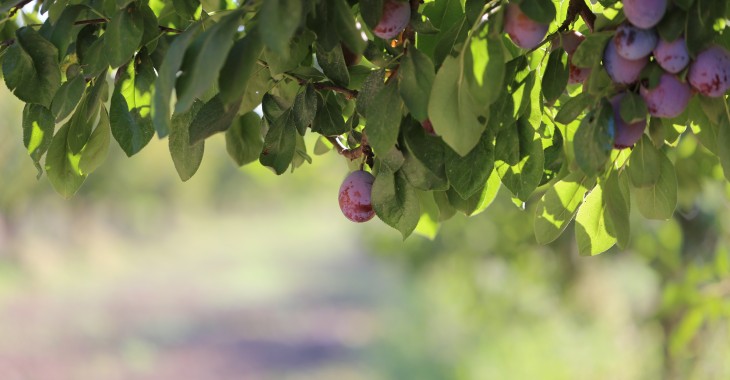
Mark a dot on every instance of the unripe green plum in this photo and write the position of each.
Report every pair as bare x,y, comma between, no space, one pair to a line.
620,69
710,72
524,31
355,196
673,56
669,98
625,135
395,18
645,13
634,43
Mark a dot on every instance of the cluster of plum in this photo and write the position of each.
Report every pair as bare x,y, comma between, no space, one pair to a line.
634,45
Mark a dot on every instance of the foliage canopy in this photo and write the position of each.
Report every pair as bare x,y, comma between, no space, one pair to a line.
443,114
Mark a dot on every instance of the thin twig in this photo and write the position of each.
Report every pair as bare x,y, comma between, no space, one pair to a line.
351,154
18,7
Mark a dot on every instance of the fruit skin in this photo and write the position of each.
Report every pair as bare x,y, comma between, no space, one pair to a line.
570,41
673,56
620,69
634,43
355,196
625,134
396,15
709,74
669,98
524,32
645,13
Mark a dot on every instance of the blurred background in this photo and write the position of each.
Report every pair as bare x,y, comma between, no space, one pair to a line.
240,274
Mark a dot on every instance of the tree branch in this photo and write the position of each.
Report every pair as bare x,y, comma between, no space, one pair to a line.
578,8
18,7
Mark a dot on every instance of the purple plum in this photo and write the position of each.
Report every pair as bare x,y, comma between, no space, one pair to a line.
355,196
625,134
709,74
669,98
620,69
524,31
673,56
634,43
645,13
570,42
396,15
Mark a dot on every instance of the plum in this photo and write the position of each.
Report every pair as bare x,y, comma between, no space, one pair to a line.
669,98
625,135
524,31
710,72
620,69
645,13
673,56
634,43
351,58
395,18
428,127
570,42
355,196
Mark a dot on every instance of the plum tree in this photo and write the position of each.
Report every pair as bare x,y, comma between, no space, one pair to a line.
710,72
524,31
395,17
355,196
430,98
620,69
633,43
625,135
672,56
669,98
645,13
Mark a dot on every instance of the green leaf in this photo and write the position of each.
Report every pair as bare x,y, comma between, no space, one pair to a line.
38,126
573,108
239,67
385,113
558,206
468,174
479,201
30,68
659,200
130,117
618,203
186,8
593,141
415,80
212,118
520,159
279,20
371,87
62,165
594,229
484,68
328,119
633,108
428,223
204,60
63,29
644,165
424,165
333,65
591,49
279,144
347,26
396,202
701,18
299,49
87,113
305,109
556,75
123,35
165,82
453,111
372,11
95,59
541,11
186,157
243,139
67,97
97,148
